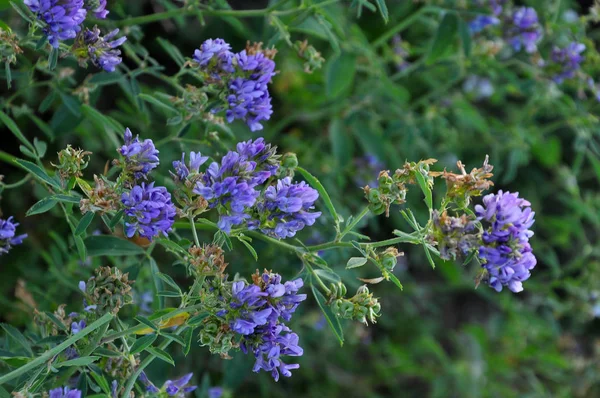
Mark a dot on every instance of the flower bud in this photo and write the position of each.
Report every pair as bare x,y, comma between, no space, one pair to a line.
109,290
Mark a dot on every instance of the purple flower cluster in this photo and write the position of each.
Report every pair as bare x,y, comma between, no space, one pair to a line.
245,77
231,185
101,51
177,388
568,60
140,157
285,208
62,18
505,250
181,169
8,237
525,31
65,392
257,313
149,209
400,52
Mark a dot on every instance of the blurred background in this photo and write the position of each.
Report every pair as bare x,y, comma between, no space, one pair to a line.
378,100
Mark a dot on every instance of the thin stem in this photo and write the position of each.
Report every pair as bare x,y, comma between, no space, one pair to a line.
354,222
132,330
194,232
147,361
16,184
56,350
401,26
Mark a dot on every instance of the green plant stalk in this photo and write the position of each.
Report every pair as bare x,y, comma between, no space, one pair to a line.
311,249
131,330
147,361
354,222
56,350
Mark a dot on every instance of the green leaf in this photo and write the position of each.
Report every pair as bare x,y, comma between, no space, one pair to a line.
356,262
197,320
146,322
171,246
42,206
67,199
465,37
383,10
84,223
38,172
101,381
105,352
395,280
106,245
53,58
102,122
8,74
172,51
332,320
157,102
250,248
322,193
40,147
339,75
56,321
27,152
12,126
426,189
18,337
429,258
160,354
595,164
341,142
72,104
158,285
444,38
169,281
173,337
188,337
82,361
106,78
115,220
81,248
142,343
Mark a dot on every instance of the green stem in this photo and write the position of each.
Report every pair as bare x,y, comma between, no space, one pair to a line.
56,350
401,26
116,335
354,222
16,184
193,228
147,361
87,351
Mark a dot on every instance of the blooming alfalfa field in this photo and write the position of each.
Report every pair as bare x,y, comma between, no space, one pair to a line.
299,198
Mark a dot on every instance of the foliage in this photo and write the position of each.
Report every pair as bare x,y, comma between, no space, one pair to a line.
319,220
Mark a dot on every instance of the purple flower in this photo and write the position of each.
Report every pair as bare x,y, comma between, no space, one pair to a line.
505,251
214,55
243,78
179,387
257,312
215,392
150,387
231,185
65,392
101,51
61,18
181,169
481,22
284,209
525,31
149,209
97,7
139,157
77,327
8,237
568,60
